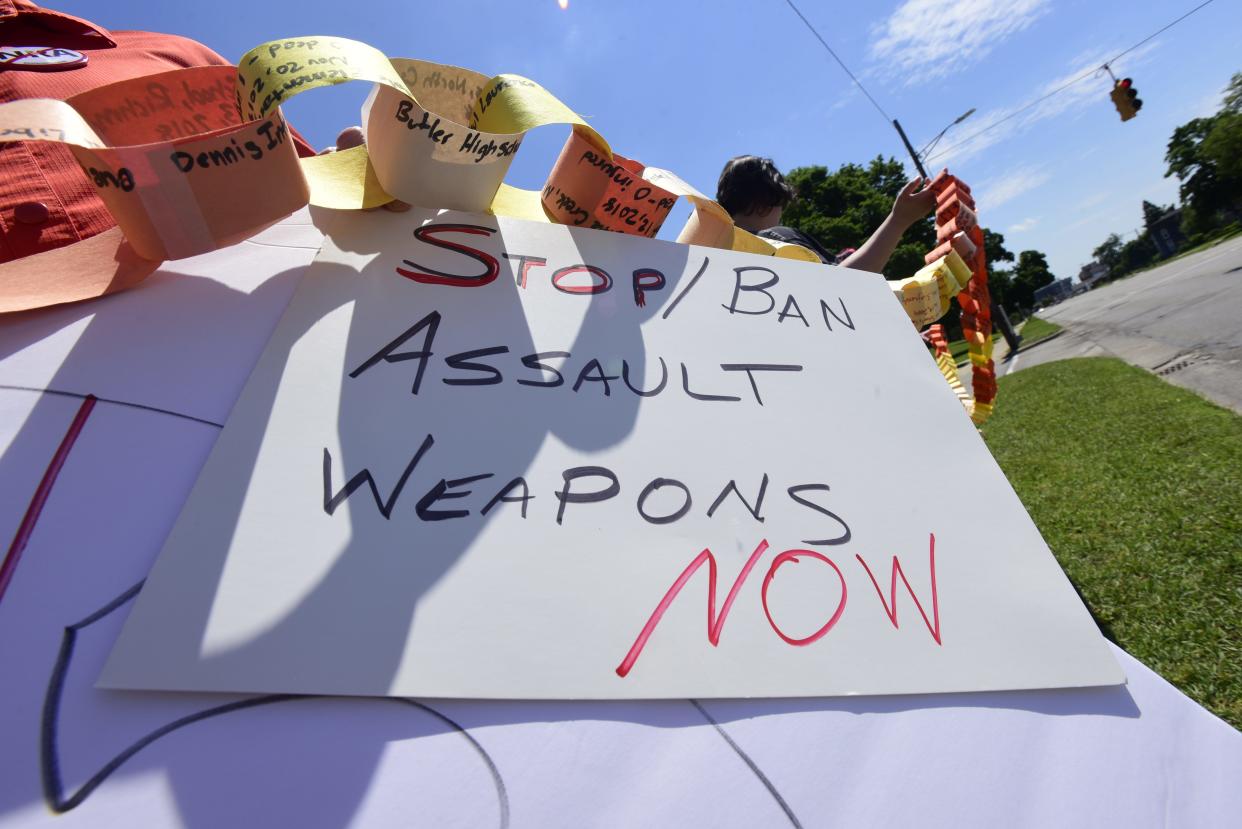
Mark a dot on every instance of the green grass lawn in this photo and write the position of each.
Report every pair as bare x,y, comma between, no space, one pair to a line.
1037,329
1137,487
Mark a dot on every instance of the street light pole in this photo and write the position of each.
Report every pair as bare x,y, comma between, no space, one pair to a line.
918,164
917,157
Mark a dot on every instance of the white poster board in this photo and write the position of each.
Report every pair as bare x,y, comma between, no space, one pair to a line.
494,459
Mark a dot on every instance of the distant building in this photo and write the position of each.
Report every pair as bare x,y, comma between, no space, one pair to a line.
1054,292
1165,229
1092,273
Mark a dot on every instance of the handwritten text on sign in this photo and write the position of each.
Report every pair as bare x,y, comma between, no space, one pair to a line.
486,366
487,460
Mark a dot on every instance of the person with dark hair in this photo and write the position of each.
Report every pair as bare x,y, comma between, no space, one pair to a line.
756,194
752,186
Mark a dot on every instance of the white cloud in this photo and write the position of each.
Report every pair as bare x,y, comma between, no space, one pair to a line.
908,43
1207,105
1090,218
1094,200
1086,211
1017,119
1024,225
844,99
1016,182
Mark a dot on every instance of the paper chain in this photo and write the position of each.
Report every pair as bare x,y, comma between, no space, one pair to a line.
958,235
196,159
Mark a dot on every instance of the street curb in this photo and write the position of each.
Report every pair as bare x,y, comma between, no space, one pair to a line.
1025,347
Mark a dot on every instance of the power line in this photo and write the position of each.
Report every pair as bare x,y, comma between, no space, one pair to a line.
1066,86
1017,112
1162,31
841,63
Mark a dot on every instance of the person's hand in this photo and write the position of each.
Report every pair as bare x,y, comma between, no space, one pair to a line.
351,137
912,203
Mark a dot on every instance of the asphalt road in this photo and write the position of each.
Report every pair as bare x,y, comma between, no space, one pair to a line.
1182,320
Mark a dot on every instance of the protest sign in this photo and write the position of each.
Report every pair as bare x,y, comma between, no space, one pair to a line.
490,458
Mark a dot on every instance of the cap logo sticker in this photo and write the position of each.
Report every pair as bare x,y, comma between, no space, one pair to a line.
40,58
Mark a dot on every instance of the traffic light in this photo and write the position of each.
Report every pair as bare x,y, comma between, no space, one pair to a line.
1125,98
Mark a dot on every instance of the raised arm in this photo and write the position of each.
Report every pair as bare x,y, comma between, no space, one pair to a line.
911,205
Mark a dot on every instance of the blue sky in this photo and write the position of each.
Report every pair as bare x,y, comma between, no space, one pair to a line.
686,86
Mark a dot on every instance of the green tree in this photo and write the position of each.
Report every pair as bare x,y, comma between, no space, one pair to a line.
1152,213
1222,146
1109,255
1200,186
1030,273
994,249
1205,154
843,208
1000,281
1138,253
1233,94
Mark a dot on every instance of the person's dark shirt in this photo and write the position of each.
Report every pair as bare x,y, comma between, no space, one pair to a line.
780,233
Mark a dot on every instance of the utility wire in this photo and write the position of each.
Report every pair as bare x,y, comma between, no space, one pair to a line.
887,120
1017,112
931,144
1066,86
1162,31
